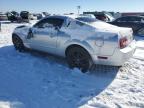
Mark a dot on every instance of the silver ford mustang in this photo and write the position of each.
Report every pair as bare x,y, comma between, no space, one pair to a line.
82,41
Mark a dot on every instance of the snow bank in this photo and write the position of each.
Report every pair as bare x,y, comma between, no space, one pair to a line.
7,104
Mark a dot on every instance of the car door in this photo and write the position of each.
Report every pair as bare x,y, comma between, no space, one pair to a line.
44,34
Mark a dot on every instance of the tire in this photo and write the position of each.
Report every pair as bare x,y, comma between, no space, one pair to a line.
18,44
78,57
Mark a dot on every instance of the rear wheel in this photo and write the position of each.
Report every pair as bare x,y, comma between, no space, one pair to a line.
78,57
18,44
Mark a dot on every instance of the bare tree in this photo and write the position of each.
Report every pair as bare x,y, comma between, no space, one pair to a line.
0,26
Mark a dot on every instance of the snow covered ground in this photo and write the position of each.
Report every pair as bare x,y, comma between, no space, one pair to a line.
32,80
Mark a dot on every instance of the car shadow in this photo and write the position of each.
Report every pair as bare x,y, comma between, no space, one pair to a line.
40,80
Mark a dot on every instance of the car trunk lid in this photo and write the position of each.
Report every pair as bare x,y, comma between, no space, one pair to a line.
125,34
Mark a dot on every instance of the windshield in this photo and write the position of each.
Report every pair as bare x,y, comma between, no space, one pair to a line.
86,19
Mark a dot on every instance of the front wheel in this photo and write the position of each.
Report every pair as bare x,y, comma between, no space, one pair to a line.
18,44
78,57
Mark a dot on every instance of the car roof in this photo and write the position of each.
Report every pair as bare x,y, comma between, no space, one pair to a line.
57,16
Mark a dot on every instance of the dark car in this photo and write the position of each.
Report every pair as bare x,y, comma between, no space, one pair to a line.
25,15
134,22
39,16
3,17
13,16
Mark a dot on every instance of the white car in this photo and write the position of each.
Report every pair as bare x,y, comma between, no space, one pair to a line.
87,15
32,16
83,43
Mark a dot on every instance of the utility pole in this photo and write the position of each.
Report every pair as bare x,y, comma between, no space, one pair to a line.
0,26
78,8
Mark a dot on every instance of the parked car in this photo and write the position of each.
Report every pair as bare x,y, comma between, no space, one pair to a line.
3,17
87,15
134,22
25,15
39,16
45,14
85,19
81,43
32,16
14,16
103,16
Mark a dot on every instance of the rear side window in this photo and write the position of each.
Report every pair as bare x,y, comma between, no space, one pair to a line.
56,22
40,23
79,23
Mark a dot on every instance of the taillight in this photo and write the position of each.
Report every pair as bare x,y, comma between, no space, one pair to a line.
123,42
103,18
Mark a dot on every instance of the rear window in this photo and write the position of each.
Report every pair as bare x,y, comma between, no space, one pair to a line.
86,19
79,23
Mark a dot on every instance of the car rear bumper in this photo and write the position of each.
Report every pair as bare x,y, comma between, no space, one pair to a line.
119,57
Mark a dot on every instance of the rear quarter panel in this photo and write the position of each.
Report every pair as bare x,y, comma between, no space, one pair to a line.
110,44
88,40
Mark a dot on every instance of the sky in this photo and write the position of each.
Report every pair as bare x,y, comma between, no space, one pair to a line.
70,6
